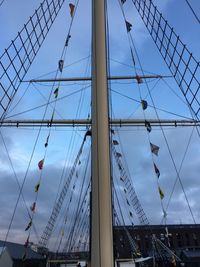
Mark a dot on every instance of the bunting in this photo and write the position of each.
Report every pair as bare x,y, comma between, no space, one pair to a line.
29,225
37,187
71,7
56,92
119,155
144,104
112,131
148,126
41,164
33,206
161,193
154,149
67,40
47,142
156,170
60,65
115,142
128,26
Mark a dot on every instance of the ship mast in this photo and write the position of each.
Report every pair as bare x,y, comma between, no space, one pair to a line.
101,219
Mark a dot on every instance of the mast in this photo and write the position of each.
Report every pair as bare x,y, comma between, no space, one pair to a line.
101,222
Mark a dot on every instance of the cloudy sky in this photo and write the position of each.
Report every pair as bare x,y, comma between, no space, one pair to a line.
65,142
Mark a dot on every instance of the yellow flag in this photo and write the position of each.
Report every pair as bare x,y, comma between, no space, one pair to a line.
161,193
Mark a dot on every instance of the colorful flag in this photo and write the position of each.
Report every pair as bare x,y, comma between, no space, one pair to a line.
156,170
71,7
37,187
33,206
144,104
148,126
26,243
47,141
119,155
112,131
60,65
56,92
115,142
161,193
120,167
127,202
67,40
128,26
154,149
41,164
29,225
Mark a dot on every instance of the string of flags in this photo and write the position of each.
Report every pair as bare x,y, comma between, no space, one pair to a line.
41,162
154,150
122,177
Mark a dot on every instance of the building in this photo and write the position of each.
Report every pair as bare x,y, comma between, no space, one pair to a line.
183,240
12,256
5,258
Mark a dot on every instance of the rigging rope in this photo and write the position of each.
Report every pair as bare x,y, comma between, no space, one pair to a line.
166,141
192,10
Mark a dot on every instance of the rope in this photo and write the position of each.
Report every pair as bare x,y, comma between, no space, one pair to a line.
193,12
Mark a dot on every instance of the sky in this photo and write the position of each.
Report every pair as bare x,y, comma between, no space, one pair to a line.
65,142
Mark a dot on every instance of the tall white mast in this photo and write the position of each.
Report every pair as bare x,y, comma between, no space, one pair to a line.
101,234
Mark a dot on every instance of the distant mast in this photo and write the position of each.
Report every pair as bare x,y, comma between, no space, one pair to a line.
101,223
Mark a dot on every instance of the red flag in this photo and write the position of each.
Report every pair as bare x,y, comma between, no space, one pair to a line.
71,6
40,164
